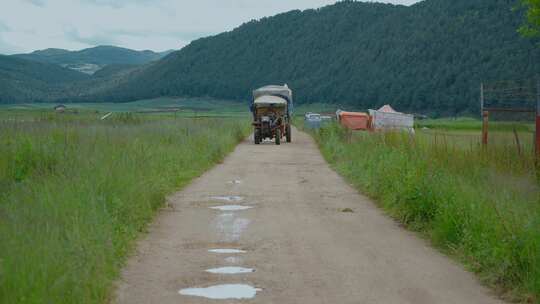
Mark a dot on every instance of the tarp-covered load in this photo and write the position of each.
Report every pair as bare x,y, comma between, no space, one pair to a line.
275,90
267,94
386,118
354,120
270,100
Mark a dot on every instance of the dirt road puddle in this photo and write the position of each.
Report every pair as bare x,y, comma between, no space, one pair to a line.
223,292
230,198
233,260
231,227
231,208
226,251
230,270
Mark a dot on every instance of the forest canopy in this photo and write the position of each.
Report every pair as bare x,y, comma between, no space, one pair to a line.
430,57
532,25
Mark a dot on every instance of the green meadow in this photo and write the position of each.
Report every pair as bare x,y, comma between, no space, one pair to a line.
187,107
77,191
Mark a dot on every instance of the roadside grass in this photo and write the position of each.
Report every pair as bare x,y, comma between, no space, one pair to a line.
471,140
470,124
76,193
481,206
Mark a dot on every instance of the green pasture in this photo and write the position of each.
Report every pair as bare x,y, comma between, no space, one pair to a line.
76,192
167,105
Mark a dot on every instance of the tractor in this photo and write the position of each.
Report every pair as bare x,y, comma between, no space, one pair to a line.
272,109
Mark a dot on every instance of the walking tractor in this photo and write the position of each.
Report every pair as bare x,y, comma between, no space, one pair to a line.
272,109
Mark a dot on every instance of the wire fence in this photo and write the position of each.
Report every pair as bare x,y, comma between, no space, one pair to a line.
511,95
510,98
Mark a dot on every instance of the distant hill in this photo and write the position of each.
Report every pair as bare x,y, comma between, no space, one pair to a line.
429,57
45,80
30,81
115,70
91,60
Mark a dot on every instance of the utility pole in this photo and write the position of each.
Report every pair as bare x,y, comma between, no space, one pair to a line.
481,98
537,133
485,118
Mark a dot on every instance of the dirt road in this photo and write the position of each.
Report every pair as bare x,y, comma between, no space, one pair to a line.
294,245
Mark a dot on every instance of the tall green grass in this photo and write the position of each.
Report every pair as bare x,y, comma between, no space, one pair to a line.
468,124
480,206
75,194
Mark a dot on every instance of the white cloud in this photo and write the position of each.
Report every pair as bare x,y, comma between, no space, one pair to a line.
27,25
36,2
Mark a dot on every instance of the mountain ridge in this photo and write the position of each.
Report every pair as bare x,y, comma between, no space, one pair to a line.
24,80
90,60
429,57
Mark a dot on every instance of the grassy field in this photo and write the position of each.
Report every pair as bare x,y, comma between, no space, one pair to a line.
75,192
472,124
189,107
480,206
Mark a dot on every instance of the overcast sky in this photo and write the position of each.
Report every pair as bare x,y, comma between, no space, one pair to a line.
28,25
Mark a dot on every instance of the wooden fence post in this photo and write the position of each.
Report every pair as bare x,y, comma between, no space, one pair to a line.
518,143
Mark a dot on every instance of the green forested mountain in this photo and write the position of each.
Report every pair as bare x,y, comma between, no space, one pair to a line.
55,74
30,81
429,57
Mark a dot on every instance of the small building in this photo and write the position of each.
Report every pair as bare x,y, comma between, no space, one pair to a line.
60,108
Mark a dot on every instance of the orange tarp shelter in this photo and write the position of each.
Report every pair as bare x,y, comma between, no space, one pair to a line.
354,120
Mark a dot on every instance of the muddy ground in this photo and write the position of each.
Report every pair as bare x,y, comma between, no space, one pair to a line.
308,237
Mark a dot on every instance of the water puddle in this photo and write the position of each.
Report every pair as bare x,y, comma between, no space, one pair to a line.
231,208
230,270
230,198
231,227
223,292
227,251
233,260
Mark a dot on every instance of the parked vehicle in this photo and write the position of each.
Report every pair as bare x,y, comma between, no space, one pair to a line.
272,109
312,120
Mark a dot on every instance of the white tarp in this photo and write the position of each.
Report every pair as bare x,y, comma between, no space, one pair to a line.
273,90
387,118
266,100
